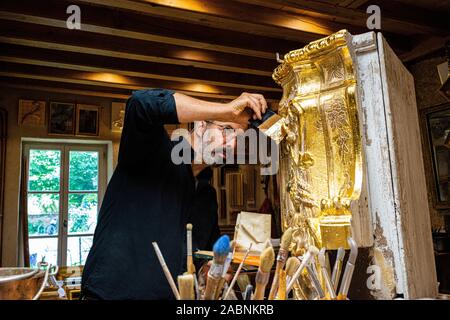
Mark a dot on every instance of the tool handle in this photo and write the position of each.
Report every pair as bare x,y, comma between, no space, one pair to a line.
211,286
219,288
328,283
169,278
190,265
298,272
259,291
315,281
346,279
337,269
275,282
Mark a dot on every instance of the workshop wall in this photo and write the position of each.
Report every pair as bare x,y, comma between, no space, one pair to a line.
427,83
9,100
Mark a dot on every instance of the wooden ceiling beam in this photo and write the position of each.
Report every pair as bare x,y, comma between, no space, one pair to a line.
110,21
51,30
229,15
115,81
92,91
46,63
405,20
94,63
131,56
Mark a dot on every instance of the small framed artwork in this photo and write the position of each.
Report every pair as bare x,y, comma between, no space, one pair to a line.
87,120
61,118
117,116
31,113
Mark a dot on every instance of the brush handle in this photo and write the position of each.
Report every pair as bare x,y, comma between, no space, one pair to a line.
297,273
190,265
233,281
337,269
262,278
219,288
166,271
328,283
315,281
259,291
346,279
281,292
211,286
186,288
274,287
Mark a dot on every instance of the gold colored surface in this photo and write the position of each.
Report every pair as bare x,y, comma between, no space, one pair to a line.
320,157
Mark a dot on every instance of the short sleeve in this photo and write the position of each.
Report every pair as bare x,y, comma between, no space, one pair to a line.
154,106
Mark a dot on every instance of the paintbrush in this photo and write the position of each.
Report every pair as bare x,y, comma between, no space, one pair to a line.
281,292
314,277
312,251
281,260
221,249
166,271
292,265
236,275
248,292
262,277
325,274
186,287
270,125
349,268
337,268
189,263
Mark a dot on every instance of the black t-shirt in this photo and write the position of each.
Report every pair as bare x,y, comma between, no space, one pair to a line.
149,198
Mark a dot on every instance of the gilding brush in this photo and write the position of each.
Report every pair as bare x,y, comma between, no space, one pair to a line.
166,271
281,292
281,260
312,251
186,287
325,274
189,263
292,265
337,268
236,275
262,277
221,249
313,275
349,268
270,125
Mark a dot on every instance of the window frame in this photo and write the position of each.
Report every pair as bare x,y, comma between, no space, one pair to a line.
64,192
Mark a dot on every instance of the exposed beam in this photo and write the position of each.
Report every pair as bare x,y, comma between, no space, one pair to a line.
41,28
76,89
79,67
411,22
128,55
115,81
115,63
107,21
230,16
64,90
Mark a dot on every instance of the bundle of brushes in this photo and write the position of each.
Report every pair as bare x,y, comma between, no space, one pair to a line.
214,283
305,274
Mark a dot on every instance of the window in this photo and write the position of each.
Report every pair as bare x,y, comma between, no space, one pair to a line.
65,185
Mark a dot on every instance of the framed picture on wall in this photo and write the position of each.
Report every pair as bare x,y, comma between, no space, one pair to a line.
436,122
31,113
61,118
117,116
87,120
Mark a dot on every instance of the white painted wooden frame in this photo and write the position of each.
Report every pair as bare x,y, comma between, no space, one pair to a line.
395,179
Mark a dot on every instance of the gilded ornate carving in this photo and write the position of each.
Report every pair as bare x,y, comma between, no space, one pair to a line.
320,169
